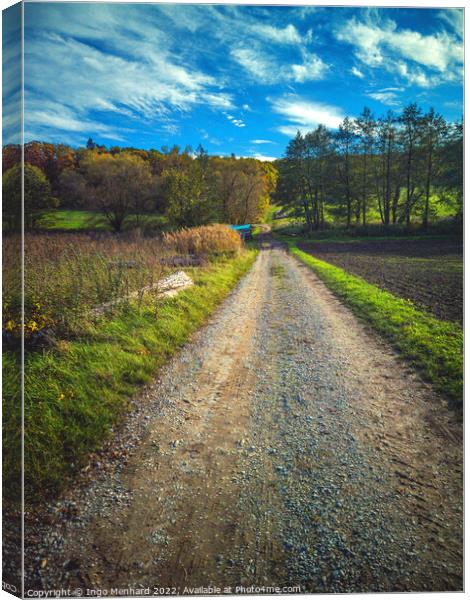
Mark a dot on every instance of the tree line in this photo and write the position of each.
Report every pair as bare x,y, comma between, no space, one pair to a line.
129,184
389,167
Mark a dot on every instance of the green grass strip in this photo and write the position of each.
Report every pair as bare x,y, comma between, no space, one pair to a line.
75,393
433,346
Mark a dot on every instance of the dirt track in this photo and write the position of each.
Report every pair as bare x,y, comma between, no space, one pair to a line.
287,445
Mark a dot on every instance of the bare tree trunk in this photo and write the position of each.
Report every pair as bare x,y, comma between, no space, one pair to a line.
428,190
364,190
396,198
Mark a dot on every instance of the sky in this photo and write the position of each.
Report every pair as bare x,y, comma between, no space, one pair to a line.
237,79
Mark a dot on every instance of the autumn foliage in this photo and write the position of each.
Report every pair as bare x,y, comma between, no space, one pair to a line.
187,188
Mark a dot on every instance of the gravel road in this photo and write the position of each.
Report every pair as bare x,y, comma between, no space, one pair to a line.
286,445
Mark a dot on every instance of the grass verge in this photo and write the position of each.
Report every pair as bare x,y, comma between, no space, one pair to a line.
433,346
76,392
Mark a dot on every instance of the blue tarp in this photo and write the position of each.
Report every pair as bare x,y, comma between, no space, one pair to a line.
243,230
241,227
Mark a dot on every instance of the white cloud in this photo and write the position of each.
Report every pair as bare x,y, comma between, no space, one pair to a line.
265,68
305,115
256,63
171,128
393,89
43,115
416,76
234,120
367,40
454,18
288,35
387,95
312,68
384,45
136,75
389,98
355,71
262,142
264,157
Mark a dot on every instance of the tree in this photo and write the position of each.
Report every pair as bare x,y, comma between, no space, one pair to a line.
37,196
72,189
189,187
365,128
121,185
11,156
317,150
386,167
449,180
293,179
242,186
434,131
402,161
185,200
411,120
345,140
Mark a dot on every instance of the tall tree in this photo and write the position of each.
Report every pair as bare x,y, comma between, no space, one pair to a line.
450,178
411,122
434,131
365,127
121,185
386,165
345,141
317,146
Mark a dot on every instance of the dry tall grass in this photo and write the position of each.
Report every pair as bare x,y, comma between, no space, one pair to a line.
208,239
68,274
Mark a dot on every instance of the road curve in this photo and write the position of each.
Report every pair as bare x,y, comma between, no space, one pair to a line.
286,445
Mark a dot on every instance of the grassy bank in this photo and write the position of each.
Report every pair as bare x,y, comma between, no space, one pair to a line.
433,346
75,392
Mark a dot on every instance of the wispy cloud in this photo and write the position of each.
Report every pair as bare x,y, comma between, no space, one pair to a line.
387,95
235,121
266,68
454,18
262,142
11,81
355,71
134,76
304,115
389,98
380,43
159,73
279,35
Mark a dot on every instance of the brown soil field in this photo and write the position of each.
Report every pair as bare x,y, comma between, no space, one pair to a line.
427,272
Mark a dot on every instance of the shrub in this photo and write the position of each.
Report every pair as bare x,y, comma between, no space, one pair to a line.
208,239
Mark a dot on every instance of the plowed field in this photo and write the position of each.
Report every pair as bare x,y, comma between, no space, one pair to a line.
427,272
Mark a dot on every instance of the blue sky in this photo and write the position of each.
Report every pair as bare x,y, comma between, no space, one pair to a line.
237,79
